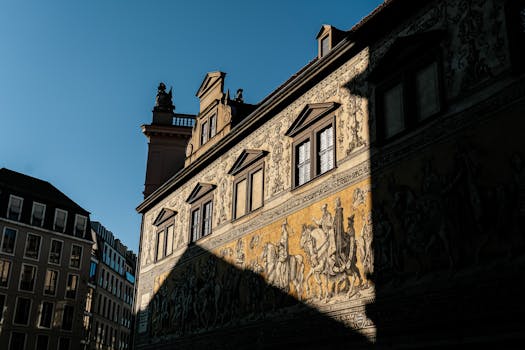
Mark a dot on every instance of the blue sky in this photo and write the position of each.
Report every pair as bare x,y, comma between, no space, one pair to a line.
78,78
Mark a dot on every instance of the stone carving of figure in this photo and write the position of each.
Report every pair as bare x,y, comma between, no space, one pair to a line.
239,253
338,232
326,224
351,262
163,100
367,254
283,273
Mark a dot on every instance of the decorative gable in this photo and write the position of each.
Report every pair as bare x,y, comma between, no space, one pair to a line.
164,215
309,115
212,80
245,159
199,191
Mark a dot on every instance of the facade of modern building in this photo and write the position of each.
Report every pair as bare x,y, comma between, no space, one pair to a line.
112,279
375,199
44,265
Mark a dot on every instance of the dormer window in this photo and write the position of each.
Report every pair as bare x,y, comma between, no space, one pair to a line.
204,133
60,220
325,45
80,225
37,214
14,209
208,128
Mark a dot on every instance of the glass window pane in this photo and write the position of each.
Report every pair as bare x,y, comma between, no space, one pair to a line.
240,198
169,240
76,255
427,91
393,111
27,278
71,287
32,246
204,133
161,243
50,282
303,163
17,341
42,342
37,218
326,150
195,223
257,189
23,308
5,267
55,252
8,241
15,208
325,45
67,318
46,314
213,125
206,229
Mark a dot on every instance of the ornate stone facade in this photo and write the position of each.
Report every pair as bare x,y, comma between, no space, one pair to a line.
368,252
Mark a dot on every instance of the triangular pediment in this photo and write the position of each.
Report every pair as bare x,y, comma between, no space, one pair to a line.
309,115
245,159
164,215
211,80
325,28
200,190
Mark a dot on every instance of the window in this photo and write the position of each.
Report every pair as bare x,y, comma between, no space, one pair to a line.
201,216
5,267
2,307
55,252
50,282
169,240
325,45
8,240
17,341
76,256
161,244
42,342
37,214
93,272
46,314
63,343
72,286
195,224
80,225
59,224
14,208
22,311
313,133
27,278
204,133
32,250
408,99
67,317
213,125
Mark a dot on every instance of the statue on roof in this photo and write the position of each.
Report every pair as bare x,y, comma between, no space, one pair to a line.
163,100
238,96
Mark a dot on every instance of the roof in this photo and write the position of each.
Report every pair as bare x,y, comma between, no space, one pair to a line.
361,34
25,184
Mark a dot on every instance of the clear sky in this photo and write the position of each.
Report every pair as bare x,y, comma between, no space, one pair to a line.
78,78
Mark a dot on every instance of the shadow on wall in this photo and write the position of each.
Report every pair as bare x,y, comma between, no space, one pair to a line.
206,302
436,260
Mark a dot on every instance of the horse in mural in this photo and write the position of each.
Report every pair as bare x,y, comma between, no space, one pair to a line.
316,244
291,273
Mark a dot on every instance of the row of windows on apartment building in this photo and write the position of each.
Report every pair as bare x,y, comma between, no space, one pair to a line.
29,276
107,337
48,317
38,212
33,246
411,97
19,340
114,260
111,310
115,286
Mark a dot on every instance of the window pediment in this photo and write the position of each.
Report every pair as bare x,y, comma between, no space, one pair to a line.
309,115
164,215
245,159
200,191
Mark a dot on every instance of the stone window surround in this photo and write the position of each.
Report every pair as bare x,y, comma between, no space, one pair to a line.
246,174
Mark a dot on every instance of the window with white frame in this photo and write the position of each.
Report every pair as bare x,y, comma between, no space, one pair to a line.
32,250
46,314
50,282
22,311
67,317
5,269
76,256
55,252
27,278
17,341
38,214
14,208
71,286
9,240
59,224
80,225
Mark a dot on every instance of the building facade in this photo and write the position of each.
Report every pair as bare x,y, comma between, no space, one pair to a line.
112,279
375,199
44,265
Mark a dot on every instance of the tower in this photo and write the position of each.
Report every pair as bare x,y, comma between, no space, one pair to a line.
168,135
